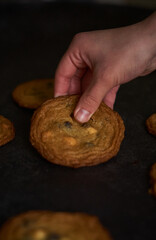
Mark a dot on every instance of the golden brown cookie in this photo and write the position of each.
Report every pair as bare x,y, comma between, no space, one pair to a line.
7,131
60,139
153,180
151,124
46,225
33,93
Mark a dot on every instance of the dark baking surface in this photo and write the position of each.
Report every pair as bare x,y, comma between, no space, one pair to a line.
32,40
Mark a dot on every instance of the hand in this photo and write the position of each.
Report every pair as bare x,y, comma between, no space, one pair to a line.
97,62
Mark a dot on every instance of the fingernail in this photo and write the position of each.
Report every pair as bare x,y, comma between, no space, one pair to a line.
58,95
82,115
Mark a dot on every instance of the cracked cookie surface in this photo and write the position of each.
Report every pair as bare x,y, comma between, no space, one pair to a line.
151,124
33,93
60,139
46,225
7,131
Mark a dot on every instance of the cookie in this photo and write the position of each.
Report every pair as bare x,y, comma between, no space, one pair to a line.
33,93
60,139
46,225
7,131
151,124
153,180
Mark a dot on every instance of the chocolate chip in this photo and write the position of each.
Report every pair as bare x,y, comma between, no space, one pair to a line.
53,236
72,115
85,125
68,124
25,222
90,144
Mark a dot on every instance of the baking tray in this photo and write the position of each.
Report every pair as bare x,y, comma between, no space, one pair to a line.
32,40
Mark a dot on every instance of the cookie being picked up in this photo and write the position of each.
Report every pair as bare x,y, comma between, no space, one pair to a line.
33,93
47,225
7,131
151,124
60,139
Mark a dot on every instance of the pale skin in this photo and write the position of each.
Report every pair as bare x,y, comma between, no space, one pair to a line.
98,62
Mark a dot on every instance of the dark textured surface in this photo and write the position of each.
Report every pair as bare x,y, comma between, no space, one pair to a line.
32,40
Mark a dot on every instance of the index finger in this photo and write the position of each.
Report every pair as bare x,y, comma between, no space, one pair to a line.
64,73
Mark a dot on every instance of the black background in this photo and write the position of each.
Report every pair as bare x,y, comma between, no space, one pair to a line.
32,40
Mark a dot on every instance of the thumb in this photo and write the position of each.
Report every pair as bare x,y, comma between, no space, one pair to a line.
90,101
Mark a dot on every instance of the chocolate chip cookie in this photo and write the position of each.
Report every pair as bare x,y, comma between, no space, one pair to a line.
33,93
151,124
153,180
46,225
7,131
60,139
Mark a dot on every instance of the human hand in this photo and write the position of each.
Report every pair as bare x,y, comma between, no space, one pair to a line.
97,63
